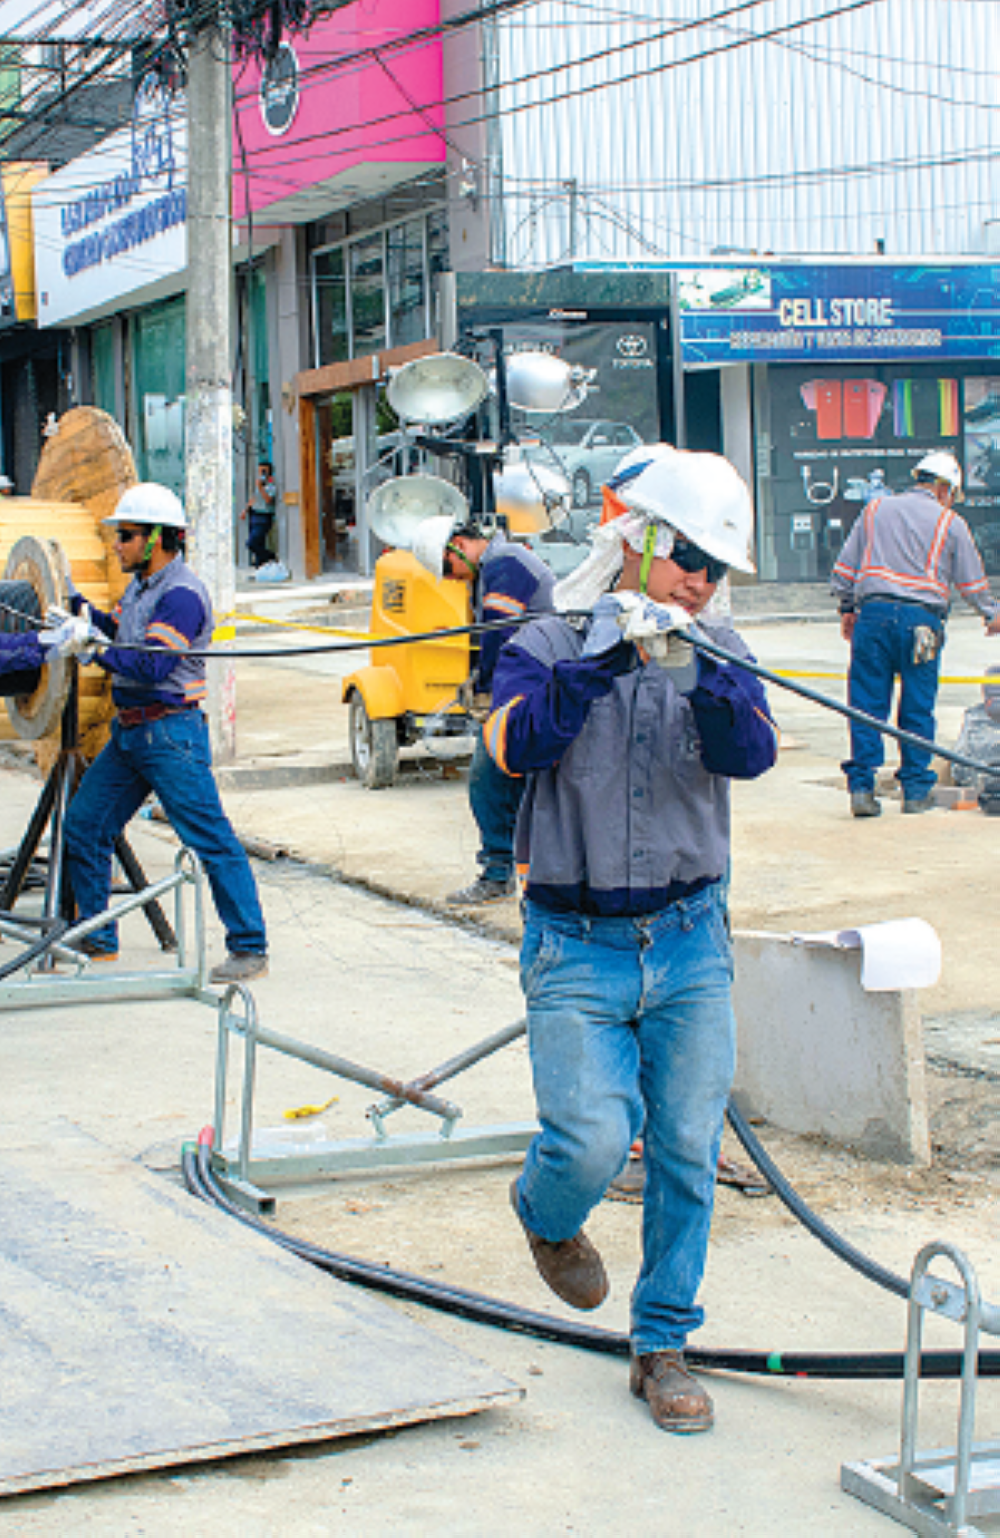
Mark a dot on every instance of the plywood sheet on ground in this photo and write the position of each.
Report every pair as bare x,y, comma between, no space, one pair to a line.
140,1328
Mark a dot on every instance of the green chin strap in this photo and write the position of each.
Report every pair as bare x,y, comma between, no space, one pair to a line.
454,550
155,533
648,552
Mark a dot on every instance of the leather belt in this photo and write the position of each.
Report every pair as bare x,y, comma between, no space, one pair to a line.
919,603
138,715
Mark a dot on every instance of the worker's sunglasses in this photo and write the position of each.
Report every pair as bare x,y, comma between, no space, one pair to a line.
692,558
123,536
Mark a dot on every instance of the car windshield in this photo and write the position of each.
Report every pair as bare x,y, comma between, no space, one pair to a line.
567,432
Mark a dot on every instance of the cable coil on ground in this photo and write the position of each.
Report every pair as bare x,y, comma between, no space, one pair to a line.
479,1308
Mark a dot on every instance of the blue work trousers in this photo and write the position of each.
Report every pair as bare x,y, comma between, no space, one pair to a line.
172,758
631,1030
881,652
495,799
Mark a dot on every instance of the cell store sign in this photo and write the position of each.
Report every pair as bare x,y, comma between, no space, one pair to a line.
111,225
838,314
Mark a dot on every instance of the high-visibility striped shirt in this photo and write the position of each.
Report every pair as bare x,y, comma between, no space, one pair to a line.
909,546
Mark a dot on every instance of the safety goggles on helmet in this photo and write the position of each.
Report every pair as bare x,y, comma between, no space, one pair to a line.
692,558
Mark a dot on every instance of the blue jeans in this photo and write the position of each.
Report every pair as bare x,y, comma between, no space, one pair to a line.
881,652
631,1029
495,799
259,531
172,758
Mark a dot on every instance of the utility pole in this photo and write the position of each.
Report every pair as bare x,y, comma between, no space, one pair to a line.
209,393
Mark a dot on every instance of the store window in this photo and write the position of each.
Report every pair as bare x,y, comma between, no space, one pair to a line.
407,282
367,294
375,291
102,369
330,287
158,375
829,441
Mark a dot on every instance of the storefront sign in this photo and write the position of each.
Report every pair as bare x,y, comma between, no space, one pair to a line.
784,314
279,91
355,109
110,225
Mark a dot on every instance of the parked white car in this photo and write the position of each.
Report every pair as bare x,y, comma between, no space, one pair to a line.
588,452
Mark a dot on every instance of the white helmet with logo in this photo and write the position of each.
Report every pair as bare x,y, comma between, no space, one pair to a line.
150,504
701,496
429,541
940,465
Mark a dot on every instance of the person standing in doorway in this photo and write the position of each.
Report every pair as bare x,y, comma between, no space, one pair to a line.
259,514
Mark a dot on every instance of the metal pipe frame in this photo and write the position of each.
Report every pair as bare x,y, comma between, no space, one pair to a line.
934,1493
187,978
242,1166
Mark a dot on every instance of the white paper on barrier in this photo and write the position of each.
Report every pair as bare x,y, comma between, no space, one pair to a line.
901,953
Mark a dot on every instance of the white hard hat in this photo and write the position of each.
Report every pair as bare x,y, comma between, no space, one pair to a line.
429,541
151,504
942,466
702,496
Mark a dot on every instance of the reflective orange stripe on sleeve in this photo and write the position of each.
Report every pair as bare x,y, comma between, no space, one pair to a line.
495,735
161,631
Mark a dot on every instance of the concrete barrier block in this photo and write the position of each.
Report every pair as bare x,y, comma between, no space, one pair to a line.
818,1054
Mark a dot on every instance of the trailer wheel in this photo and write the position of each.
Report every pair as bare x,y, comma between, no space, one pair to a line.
374,746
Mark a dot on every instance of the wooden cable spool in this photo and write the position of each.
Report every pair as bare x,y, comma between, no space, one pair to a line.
83,470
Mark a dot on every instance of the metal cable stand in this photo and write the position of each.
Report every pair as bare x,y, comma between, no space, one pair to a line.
934,1493
240,1165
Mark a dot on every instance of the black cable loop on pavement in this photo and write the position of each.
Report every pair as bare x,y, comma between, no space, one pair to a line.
479,1308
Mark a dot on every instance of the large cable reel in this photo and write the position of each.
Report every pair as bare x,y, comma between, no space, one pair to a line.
83,470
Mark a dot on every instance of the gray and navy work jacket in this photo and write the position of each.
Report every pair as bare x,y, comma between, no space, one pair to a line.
627,803
909,549
172,611
512,581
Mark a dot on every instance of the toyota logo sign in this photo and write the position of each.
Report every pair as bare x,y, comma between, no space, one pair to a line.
632,346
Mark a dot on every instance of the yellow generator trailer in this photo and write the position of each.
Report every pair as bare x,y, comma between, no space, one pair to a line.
393,698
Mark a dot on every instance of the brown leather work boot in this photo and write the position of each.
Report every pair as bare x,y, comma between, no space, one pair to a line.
676,1399
571,1267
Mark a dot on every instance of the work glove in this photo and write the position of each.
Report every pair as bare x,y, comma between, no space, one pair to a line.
926,644
657,628
605,624
77,637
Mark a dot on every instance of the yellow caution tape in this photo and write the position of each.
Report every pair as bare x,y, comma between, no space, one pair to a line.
228,632
304,1112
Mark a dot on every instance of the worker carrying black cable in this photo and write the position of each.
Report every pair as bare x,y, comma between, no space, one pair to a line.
628,741
508,581
159,738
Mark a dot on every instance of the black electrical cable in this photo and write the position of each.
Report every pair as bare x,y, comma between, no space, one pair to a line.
38,948
787,1194
696,638
480,1309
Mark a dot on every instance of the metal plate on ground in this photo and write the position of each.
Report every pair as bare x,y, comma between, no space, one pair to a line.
141,1329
